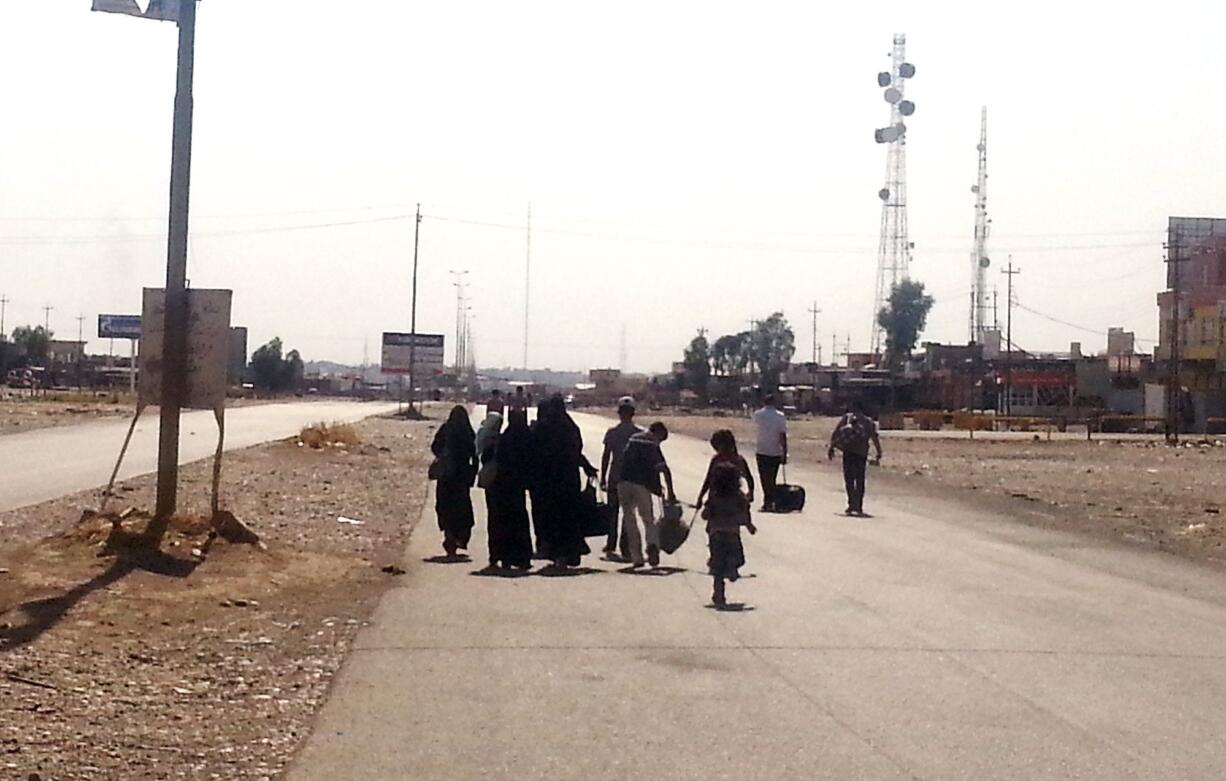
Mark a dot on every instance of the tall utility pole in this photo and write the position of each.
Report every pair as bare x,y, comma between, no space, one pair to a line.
527,284
1174,257
460,317
4,350
80,348
1011,273
815,312
174,347
979,250
894,252
47,321
834,348
413,318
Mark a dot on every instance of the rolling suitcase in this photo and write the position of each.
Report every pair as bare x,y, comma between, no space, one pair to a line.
788,498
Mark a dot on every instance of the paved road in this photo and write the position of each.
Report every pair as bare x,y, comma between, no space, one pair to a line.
927,642
47,463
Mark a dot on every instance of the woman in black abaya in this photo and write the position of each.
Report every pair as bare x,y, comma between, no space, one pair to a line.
455,448
557,458
510,540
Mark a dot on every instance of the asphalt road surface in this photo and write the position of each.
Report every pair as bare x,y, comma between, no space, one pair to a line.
929,641
48,463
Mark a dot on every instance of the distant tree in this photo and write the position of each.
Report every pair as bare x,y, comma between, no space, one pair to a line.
292,371
903,320
697,362
724,355
274,372
772,345
34,341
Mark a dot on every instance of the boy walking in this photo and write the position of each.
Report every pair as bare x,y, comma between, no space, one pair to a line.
641,468
615,441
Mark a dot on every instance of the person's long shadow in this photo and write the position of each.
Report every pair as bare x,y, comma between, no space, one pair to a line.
131,554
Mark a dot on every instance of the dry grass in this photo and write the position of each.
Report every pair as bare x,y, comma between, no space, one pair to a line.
321,435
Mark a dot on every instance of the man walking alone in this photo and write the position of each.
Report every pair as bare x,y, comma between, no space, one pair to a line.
852,435
772,450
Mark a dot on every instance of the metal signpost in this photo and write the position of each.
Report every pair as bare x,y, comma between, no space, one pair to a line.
184,13
123,327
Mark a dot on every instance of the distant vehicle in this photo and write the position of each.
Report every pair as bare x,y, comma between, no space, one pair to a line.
19,378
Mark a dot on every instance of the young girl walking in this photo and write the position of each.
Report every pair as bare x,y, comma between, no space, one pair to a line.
725,513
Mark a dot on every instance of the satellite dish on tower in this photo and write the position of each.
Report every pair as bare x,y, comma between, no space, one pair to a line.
884,79
906,108
892,95
906,70
984,262
884,193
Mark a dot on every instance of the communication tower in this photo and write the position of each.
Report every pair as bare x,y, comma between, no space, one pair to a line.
979,251
894,252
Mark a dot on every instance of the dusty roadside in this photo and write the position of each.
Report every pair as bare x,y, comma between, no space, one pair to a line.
117,666
19,413
1142,492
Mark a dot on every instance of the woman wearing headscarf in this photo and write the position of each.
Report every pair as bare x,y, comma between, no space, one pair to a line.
509,538
557,457
455,448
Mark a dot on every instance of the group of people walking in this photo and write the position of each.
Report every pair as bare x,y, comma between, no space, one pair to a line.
514,461
544,461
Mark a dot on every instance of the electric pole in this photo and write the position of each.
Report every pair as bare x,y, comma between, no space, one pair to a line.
1174,257
47,321
1010,272
815,312
460,317
4,340
413,318
174,346
527,284
80,348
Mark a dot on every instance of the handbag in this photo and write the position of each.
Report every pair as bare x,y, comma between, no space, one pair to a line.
488,473
435,471
673,530
595,516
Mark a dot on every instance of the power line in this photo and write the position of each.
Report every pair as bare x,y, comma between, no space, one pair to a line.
1086,329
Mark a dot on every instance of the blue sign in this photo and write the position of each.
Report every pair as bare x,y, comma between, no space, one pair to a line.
119,327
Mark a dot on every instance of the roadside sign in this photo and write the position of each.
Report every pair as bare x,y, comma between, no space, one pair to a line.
119,326
208,347
427,350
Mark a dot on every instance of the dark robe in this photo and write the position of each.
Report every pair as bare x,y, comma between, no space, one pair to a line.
557,457
510,540
453,499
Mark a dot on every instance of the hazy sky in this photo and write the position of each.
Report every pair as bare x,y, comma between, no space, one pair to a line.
688,163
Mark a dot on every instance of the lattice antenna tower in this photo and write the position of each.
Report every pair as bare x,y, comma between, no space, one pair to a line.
894,252
979,320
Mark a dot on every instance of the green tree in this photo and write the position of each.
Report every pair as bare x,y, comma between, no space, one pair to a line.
772,345
903,320
697,362
273,371
34,341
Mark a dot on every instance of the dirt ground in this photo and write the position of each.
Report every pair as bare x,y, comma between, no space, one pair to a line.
127,664
1143,492
22,414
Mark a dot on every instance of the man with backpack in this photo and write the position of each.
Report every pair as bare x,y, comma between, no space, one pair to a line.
852,436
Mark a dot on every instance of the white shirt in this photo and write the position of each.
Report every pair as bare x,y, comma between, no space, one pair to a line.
771,424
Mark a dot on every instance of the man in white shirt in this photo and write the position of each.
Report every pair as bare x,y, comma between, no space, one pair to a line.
772,450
